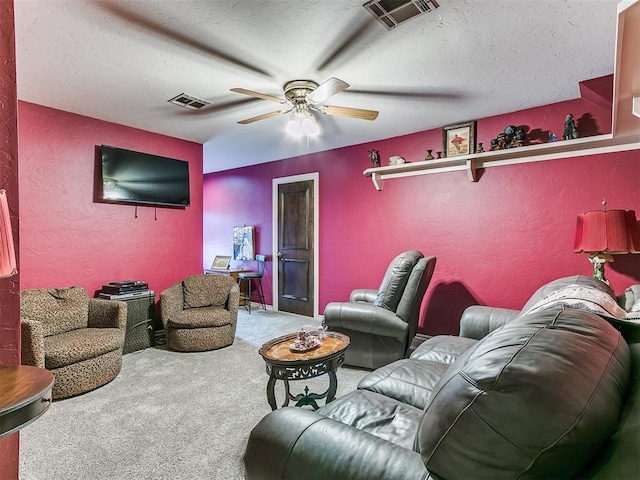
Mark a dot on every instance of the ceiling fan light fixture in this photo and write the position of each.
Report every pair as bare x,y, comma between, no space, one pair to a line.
303,123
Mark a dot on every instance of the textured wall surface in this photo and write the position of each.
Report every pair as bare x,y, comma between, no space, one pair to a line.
68,238
496,240
9,287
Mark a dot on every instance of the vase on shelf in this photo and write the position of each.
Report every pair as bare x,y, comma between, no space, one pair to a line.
480,148
429,155
438,155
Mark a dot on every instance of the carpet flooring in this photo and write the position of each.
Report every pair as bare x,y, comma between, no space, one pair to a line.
168,415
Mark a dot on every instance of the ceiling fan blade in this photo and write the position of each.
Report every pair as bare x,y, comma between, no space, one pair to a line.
327,89
264,96
348,112
262,117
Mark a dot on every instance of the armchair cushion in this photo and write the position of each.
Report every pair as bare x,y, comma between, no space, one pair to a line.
58,309
78,345
201,318
198,294
395,279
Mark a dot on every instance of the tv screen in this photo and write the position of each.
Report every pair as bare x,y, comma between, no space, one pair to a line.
139,178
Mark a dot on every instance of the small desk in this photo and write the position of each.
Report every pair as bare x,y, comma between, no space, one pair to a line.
25,394
233,273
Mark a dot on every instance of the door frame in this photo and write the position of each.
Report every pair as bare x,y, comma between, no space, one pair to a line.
315,177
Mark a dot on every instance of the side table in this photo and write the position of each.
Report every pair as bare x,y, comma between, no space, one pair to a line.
284,364
25,394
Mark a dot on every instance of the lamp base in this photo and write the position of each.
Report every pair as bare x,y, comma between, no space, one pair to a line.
599,260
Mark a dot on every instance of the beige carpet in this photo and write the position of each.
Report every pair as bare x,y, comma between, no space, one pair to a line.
168,415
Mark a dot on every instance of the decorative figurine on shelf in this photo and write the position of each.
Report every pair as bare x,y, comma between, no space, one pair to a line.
511,137
429,155
480,148
374,156
438,155
553,137
570,131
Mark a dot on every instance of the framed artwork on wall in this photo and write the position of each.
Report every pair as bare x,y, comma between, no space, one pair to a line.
459,139
244,243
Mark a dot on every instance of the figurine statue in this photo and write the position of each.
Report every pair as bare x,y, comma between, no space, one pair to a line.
570,131
374,156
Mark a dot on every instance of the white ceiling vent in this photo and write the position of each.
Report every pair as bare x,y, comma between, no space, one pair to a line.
392,13
188,101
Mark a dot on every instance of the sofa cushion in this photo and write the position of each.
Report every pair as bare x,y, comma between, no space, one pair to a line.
536,398
82,344
395,279
408,381
443,348
58,309
384,417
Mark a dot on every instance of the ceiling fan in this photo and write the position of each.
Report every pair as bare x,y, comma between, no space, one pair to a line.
301,98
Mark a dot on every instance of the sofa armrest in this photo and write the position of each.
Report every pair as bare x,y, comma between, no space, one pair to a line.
171,303
366,295
293,443
32,345
107,313
364,317
478,321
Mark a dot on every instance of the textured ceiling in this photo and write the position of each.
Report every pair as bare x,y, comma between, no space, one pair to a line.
121,61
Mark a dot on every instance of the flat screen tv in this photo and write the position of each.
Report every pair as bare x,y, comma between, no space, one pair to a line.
139,178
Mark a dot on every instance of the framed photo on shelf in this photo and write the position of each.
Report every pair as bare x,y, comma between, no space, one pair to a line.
459,139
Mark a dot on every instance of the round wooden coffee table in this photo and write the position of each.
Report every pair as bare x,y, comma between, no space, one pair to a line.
285,364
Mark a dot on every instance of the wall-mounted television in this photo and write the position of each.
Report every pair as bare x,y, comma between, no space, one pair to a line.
137,178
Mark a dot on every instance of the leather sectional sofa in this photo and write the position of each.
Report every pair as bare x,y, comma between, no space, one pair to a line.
551,391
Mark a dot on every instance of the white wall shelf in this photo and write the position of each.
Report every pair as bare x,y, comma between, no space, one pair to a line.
625,121
532,153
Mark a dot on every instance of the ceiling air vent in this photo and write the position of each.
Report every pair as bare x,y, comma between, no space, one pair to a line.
392,13
188,101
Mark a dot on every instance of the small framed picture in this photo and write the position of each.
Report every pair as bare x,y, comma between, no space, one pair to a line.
459,139
221,262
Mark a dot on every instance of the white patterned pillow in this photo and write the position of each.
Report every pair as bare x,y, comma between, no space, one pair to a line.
589,299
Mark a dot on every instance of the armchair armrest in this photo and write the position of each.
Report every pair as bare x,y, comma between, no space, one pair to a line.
32,345
107,314
478,321
367,295
233,300
171,303
364,317
291,443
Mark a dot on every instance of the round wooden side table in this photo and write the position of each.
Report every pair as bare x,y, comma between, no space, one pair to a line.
285,364
25,394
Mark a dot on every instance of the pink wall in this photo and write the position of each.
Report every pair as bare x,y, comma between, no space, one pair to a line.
496,240
67,238
9,287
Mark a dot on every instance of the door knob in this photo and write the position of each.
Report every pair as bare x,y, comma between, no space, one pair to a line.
279,255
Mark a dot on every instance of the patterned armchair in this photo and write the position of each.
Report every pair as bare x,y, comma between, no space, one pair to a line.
79,339
200,313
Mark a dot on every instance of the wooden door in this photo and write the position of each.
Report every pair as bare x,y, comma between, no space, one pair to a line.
295,255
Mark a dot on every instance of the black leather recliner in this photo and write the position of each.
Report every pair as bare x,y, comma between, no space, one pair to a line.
382,323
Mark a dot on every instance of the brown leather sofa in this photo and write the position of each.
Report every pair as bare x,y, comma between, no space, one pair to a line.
382,323
541,393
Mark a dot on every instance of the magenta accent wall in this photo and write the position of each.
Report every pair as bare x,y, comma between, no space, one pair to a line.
496,240
68,238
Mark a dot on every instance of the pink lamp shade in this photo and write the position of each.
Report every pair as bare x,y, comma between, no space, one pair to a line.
612,231
7,252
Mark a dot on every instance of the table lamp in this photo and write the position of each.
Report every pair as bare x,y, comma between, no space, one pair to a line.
604,233
7,252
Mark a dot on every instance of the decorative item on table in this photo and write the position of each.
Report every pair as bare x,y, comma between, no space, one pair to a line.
304,342
512,137
604,233
459,139
429,155
396,160
570,131
374,156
